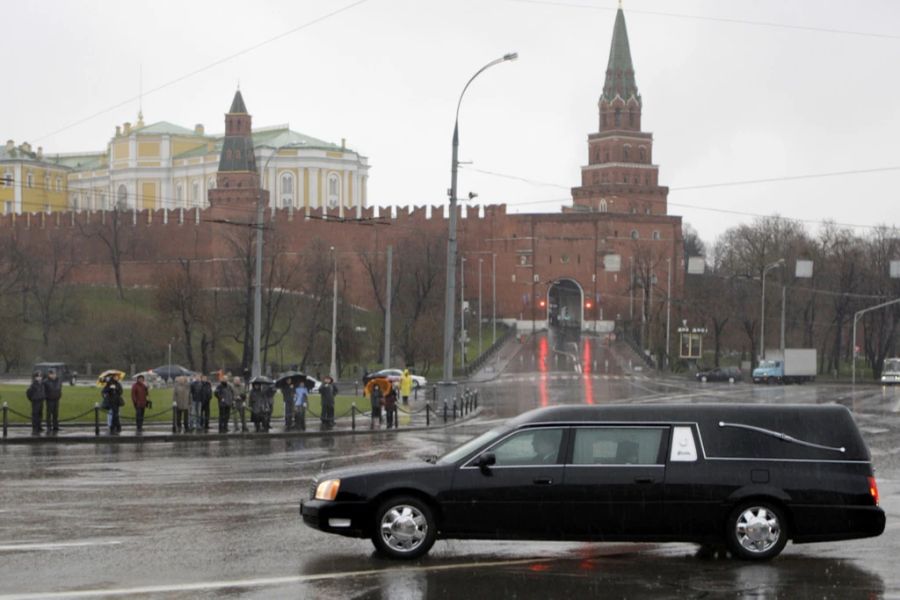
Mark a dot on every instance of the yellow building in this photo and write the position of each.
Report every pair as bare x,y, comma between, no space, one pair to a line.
30,181
163,165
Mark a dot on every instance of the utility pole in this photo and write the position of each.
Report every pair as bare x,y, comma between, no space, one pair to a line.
333,370
668,309
387,310
480,261
494,295
462,311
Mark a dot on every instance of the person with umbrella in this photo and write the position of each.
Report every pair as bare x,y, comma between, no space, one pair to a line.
112,402
375,390
260,402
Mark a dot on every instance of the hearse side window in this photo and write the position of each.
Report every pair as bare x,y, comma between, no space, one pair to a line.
617,446
529,447
683,447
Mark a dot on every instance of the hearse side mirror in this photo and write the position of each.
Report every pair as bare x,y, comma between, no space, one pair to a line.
485,461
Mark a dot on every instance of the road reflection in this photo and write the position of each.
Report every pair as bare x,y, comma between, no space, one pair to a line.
607,571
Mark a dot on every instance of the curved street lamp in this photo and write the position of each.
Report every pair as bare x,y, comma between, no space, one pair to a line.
450,291
256,370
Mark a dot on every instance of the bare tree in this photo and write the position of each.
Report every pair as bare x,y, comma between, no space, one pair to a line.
109,230
45,276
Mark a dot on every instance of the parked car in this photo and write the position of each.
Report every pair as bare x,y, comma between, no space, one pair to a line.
729,374
62,371
749,475
394,375
890,373
169,372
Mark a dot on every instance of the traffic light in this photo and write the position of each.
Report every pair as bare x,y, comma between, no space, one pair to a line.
588,305
542,303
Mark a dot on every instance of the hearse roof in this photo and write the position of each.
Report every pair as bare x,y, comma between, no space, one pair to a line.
795,431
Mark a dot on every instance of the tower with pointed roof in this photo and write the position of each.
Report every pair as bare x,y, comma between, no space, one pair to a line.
620,176
237,181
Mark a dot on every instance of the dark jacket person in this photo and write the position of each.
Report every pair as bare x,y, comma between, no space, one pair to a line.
53,393
37,395
139,398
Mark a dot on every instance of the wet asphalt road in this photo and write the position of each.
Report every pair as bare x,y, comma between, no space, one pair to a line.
219,519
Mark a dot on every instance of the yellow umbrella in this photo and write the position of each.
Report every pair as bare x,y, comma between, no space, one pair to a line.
101,379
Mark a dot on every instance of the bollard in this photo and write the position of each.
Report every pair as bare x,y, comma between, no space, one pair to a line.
446,410
475,401
416,393
96,418
434,393
353,416
174,418
5,418
427,415
454,409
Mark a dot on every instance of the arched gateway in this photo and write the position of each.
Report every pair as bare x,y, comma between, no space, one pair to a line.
565,304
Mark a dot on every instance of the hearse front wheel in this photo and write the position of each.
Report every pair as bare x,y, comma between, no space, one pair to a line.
756,531
404,528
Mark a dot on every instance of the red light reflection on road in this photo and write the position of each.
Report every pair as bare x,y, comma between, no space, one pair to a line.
586,369
543,350
539,567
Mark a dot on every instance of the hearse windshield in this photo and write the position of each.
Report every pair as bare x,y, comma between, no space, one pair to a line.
464,450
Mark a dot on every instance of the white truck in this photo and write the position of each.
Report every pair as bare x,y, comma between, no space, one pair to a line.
796,365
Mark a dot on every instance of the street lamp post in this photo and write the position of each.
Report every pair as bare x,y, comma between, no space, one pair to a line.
450,292
493,297
480,261
462,311
762,316
333,370
257,275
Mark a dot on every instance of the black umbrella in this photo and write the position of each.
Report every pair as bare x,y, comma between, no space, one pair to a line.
262,379
289,377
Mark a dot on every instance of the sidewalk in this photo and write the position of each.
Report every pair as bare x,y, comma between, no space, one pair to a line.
498,362
417,416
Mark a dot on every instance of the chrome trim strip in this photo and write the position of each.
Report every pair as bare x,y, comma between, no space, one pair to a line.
800,460
615,465
782,436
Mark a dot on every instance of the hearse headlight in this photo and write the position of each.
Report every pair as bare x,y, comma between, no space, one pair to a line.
328,489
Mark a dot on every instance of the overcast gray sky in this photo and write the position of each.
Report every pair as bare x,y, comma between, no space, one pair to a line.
726,101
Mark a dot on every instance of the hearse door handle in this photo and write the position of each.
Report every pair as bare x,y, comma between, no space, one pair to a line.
543,481
643,480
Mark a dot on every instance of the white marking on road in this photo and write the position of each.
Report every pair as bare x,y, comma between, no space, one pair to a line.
54,545
264,581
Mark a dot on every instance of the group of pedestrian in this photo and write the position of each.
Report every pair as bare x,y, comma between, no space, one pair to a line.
45,392
382,394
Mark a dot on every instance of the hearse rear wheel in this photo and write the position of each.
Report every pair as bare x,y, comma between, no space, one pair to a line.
756,531
404,528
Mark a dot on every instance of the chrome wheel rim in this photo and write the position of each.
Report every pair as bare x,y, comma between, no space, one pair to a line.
757,529
403,528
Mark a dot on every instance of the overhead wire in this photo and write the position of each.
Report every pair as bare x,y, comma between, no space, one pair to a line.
731,20
737,183
207,67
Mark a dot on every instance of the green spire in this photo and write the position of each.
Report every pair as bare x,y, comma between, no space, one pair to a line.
237,105
620,70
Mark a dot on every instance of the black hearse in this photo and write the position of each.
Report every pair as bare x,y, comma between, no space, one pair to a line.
751,476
